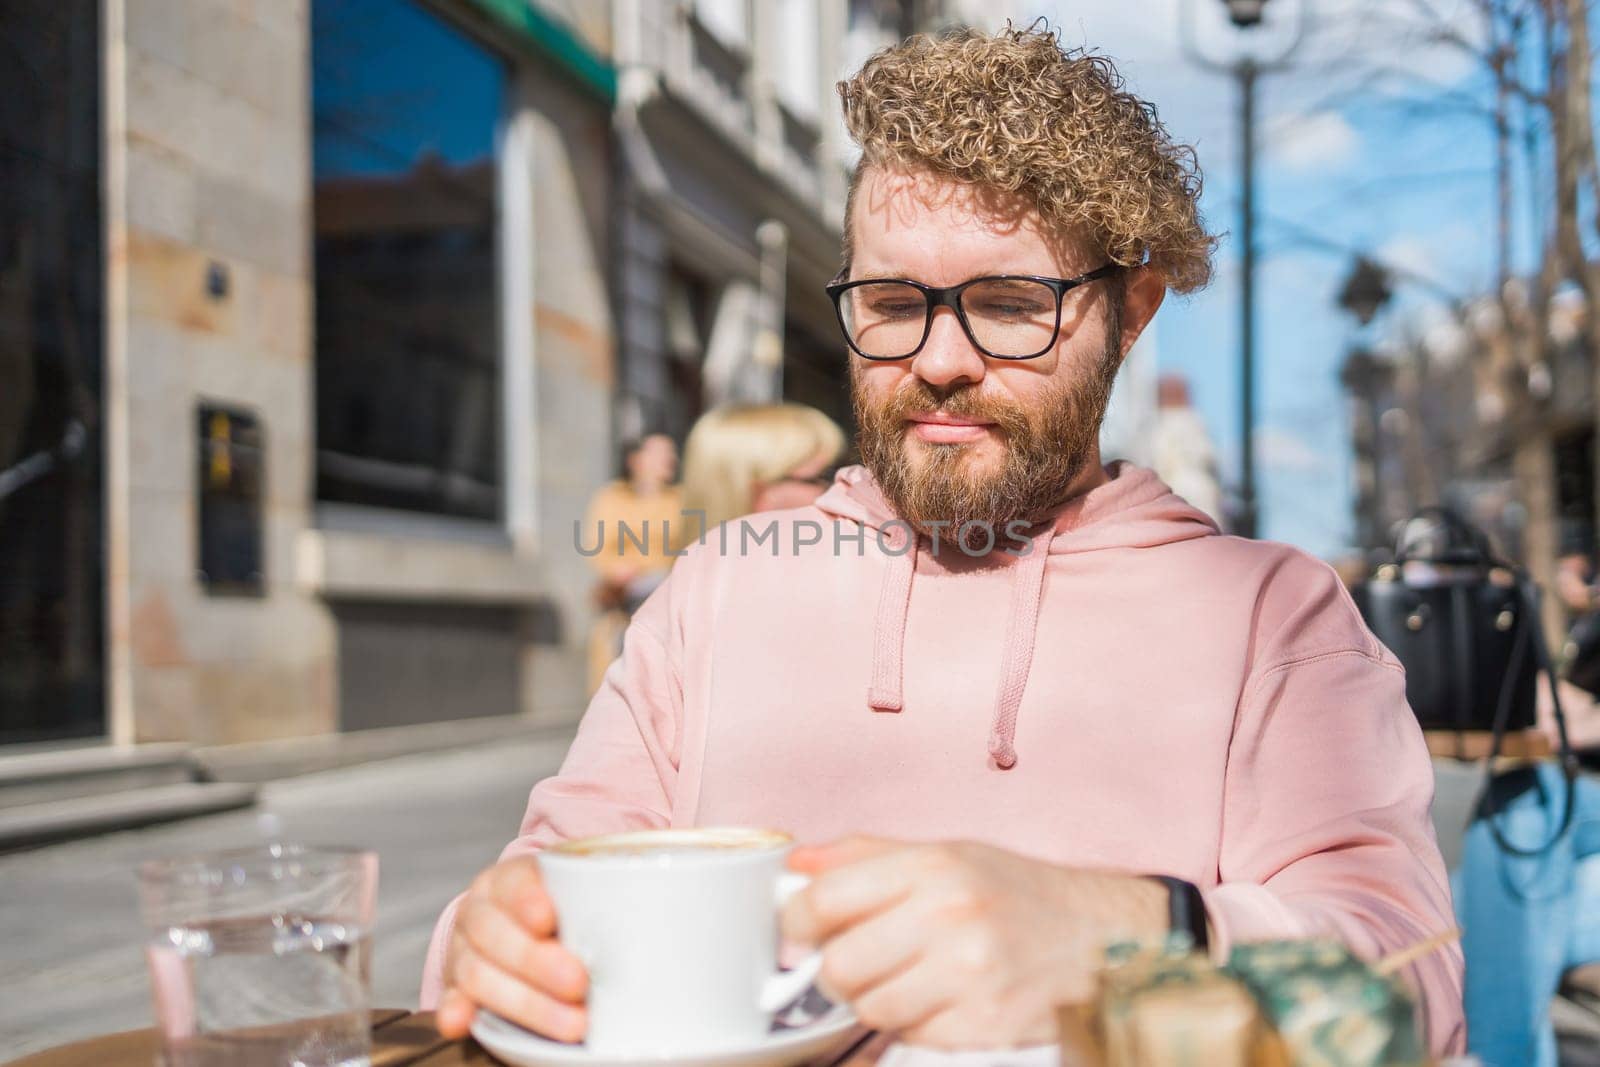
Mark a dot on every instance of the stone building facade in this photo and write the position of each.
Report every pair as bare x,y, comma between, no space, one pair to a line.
374,288
220,204
734,168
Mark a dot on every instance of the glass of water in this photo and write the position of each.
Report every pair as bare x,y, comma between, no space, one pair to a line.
262,956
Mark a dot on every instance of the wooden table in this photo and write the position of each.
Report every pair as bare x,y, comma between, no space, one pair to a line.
399,1039
1475,744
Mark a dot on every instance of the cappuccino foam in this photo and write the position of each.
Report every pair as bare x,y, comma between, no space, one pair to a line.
674,842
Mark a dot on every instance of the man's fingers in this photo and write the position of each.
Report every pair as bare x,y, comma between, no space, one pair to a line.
875,950
487,986
814,859
541,962
957,1026
947,1029
843,896
906,1000
516,886
454,1015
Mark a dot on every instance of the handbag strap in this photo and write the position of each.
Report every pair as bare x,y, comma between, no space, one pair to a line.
1529,632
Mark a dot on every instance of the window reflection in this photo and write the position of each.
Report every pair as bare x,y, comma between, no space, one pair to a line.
406,111
50,290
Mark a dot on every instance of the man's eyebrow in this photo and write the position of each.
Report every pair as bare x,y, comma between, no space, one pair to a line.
889,275
1013,281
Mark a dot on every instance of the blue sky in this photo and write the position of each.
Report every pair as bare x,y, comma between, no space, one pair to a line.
375,115
1415,188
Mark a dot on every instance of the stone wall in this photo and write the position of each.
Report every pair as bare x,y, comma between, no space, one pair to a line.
213,128
575,361
214,101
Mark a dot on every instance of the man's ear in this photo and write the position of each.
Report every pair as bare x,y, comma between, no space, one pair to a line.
1143,291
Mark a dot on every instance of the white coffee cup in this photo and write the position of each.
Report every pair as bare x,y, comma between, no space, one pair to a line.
679,932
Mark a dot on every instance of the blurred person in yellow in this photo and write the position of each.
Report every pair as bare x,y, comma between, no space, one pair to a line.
746,458
646,503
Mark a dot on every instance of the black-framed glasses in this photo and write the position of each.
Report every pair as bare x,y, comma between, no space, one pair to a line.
1007,316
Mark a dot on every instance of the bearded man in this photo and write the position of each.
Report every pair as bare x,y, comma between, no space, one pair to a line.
992,685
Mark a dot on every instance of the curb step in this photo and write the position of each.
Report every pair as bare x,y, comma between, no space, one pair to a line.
69,774
27,825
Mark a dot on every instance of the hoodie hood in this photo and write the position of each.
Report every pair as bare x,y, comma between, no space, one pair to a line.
1130,508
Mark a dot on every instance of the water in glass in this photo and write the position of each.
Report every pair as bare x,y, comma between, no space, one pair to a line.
270,989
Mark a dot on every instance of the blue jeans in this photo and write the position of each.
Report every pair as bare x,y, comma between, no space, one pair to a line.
1526,920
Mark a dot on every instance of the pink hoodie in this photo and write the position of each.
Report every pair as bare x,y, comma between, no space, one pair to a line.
1133,692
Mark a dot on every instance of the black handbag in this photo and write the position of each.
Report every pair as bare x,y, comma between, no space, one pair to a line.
1454,626
1467,631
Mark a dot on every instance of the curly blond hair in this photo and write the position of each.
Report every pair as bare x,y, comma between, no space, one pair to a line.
1018,113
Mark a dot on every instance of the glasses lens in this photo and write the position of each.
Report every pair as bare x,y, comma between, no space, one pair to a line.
1011,316
884,319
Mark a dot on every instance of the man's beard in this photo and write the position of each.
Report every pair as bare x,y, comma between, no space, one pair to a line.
1046,449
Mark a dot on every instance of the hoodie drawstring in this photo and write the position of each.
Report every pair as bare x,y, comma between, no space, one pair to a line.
1130,508
886,690
1027,587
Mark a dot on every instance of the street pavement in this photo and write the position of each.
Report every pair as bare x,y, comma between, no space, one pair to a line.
73,963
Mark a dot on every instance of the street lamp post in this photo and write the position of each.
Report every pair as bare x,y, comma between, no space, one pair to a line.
1366,290
1367,378
1246,70
1245,13
1247,298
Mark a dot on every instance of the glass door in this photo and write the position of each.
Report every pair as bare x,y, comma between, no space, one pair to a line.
51,531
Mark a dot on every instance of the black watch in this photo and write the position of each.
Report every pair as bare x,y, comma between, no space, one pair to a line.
1186,909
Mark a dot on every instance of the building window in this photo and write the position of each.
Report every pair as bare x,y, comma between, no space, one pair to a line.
728,19
795,69
51,264
686,314
407,112
815,373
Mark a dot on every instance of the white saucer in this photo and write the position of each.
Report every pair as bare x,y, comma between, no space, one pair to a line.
780,1048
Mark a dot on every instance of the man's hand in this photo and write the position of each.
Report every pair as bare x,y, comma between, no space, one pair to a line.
961,945
503,956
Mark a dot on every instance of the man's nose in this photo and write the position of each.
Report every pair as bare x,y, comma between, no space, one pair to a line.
948,358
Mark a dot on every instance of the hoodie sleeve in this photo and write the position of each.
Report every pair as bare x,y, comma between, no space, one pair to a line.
1326,827
619,773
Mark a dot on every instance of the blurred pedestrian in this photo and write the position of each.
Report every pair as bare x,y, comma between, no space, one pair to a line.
1527,893
1575,585
755,457
1580,598
645,503
1575,588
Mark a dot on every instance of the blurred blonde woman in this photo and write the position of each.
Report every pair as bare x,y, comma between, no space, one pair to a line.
756,457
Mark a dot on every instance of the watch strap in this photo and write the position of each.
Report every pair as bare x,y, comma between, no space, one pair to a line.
1186,909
